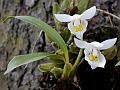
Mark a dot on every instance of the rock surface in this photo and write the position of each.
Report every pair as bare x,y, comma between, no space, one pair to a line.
18,38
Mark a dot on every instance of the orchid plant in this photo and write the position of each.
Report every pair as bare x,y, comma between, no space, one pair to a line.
77,24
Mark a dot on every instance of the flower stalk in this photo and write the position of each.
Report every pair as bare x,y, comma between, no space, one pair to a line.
76,64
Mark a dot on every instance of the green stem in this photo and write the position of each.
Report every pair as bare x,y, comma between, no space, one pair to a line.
76,64
78,59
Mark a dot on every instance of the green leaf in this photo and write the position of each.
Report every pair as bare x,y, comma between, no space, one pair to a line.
46,67
50,67
83,5
65,4
57,60
65,33
25,59
52,33
110,53
57,72
56,8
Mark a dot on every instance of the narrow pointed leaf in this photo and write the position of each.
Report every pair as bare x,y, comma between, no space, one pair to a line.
25,59
52,33
56,8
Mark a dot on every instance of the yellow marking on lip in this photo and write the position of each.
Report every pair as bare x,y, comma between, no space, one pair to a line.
78,28
93,57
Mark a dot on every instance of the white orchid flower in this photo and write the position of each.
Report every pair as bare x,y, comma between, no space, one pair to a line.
77,24
92,51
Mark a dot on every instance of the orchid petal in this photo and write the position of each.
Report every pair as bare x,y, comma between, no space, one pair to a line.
79,35
95,52
76,22
80,43
85,24
102,61
96,44
86,53
63,17
91,63
70,27
76,16
108,43
89,13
